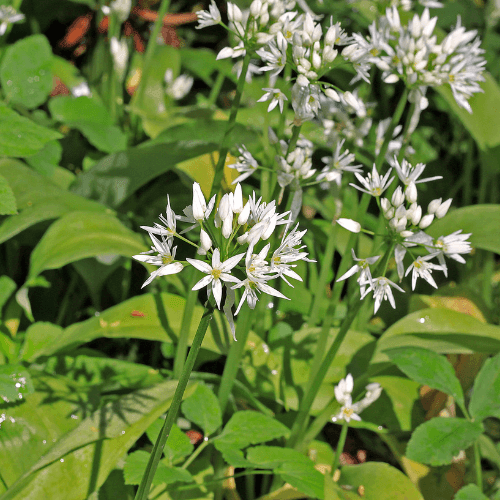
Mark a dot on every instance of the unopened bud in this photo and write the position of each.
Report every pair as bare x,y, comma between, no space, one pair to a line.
426,221
443,209
350,225
411,192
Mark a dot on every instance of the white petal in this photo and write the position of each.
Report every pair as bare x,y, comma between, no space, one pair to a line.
200,265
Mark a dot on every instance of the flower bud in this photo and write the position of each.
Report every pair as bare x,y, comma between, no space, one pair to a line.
400,212
434,205
245,213
398,197
385,204
350,225
426,221
234,13
411,193
237,199
443,208
199,204
227,227
391,79
416,215
332,95
255,8
205,243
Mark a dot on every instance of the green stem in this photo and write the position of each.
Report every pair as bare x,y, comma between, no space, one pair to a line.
234,357
340,446
214,93
294,139
326,266
224,149
187,316
196,452
390,131
154,459
150,50
477,466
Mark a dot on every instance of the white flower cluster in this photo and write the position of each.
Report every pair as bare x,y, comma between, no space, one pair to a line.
405,227
177,88
227,234
411,53
343,394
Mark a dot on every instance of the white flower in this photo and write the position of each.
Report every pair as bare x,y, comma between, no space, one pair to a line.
165,259
453,246
373,184
217,272
381,288
350,225
246,164
422,269
119,51
121,8
210,17
409,174
338,164
168,226
274,54
362,267
179,87
275,96
8,15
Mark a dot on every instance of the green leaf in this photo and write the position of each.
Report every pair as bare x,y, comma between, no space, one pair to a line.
79,235
38,199
92,119
485,400
428,368
203,63
470,492
21,137
113,179
249,427
15,383
177,446
484,236
380,481
440,330
7,200
7,288
292,466
26,74
437,441
203,408
152,317
136,463
483,123
85,448
38,337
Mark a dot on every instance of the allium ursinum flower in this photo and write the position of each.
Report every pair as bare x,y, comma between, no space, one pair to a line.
121,8
8,15
411,53
395,144
337,164
373,183
363,268
165,257
217,272
208,17
246,164
276,97
119,52
408,173
179,87
453,246
295,166
381,288
343,394
168,224
421,268
346,119
198,210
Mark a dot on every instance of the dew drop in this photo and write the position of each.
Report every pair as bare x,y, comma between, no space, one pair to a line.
421,320
44,441
74,417
274,372
62,460
123,432
270,305
30,80
265,348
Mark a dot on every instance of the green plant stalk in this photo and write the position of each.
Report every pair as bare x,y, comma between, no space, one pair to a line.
340,446
182,346
215,91
224,148
326,265
234,357
150,49
477,466
154,459
294,139
390,131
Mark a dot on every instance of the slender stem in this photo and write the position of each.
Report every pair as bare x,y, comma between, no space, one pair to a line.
390,131
294,139
326,266
477,466
340,446
250,487
196,452
150,50
224,149
154,459
182,346
235,353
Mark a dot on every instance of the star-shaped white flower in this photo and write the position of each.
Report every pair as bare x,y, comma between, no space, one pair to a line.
208,17
217,272
423,269
381,288
374,183
275,96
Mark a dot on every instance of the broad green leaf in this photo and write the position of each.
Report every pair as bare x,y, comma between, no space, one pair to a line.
136,463
485,400
249,427
489,450
440,439
380,481
92,119
46,162
38,199
483,123
484,236
7,287
440,330
20,136
15,383
177,446
26,73
114,487
8,204
148,316
107,433
292,466
203,63
67,72
38,336
428,368
203,408
79,235
113,179
470,492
